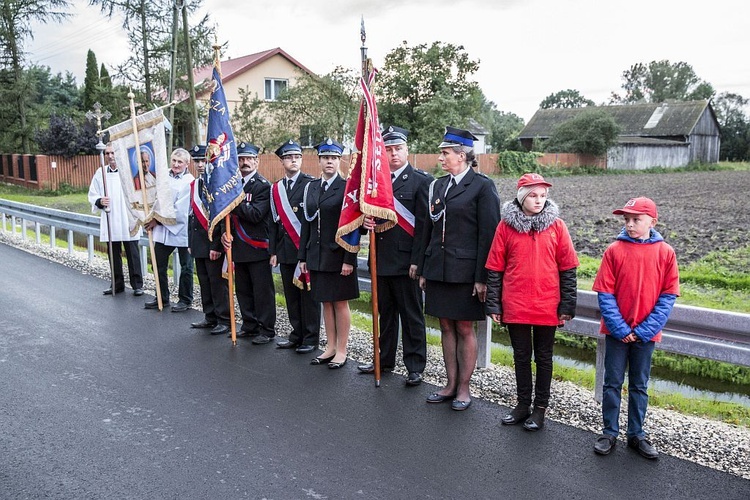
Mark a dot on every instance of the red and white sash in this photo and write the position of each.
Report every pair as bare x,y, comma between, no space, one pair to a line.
406,219
199,209
282,211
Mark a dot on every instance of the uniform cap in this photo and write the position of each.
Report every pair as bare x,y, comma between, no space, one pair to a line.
289,148
247,149
457,137
395,135
329,147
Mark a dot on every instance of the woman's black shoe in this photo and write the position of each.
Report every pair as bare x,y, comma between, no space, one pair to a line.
336,366
517,415
321,361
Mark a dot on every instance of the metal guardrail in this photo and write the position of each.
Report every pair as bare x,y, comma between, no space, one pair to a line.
695,331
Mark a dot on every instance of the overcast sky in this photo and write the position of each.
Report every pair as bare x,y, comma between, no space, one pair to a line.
527,49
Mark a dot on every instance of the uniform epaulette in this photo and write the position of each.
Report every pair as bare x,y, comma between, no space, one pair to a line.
483,175
422,172
307,176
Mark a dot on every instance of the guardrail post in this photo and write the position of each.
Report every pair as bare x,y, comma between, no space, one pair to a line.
176,267
52,242
601,343
90,247
38,232
70,242
144,260
484,342
23,229
13,225
4,223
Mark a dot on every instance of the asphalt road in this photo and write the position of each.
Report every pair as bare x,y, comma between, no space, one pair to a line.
100,398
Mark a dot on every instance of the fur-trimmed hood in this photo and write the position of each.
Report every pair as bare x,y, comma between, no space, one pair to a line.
515,218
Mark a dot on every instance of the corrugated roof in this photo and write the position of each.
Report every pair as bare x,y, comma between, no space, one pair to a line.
666,119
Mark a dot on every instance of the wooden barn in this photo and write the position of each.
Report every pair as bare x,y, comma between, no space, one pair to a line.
652,135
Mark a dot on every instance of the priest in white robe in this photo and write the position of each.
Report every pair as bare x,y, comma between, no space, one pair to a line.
121,223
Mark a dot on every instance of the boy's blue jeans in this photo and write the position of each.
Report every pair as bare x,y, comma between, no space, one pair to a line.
637,357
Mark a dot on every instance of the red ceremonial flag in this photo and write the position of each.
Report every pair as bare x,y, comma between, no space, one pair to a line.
368,188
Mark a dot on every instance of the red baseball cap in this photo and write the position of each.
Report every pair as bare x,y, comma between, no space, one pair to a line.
640,205
532,180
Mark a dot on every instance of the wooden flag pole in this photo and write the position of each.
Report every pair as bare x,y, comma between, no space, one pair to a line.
159,298
373,244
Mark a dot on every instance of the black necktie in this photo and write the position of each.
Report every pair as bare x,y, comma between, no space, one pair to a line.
325,186
453,182
288,185
393,177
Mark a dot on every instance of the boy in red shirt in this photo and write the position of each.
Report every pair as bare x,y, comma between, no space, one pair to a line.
637,283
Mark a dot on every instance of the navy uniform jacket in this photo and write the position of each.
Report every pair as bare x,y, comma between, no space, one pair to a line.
254,216
281,244
396,249
198,237
471,215
318,247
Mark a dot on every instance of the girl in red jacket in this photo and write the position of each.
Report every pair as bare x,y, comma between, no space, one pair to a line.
531,288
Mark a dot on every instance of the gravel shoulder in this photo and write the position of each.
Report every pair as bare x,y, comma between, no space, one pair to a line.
710,443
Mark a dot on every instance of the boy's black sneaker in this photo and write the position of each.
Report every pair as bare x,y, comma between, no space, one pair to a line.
605,444
643,446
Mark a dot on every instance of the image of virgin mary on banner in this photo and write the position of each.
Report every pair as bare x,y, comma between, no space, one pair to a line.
222,178
368,188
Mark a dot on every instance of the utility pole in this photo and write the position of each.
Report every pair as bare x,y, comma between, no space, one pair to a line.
172,76
191,81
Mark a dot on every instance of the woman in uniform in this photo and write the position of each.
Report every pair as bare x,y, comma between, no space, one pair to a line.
464,212
333,280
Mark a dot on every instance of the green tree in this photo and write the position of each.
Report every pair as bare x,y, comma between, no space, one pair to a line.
91,82
735,126
317,107
149,27
569,98
504,127
105,81
16,18
662,81
426,87
591,132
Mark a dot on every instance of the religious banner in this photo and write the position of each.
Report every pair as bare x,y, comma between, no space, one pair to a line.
223,180
368,188
143,166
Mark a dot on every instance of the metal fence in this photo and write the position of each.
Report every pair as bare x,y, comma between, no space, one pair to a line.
695,331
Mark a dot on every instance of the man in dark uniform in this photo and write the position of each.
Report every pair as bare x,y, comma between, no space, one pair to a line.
208,255
286,207
398,251
253,278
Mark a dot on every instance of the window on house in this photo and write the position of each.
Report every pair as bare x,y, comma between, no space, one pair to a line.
274,87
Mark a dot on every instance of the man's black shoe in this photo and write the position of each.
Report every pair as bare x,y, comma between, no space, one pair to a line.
262,339
370,368
153,304
245,334
202,324
605,444
138,292
108,291
414,378
304,349
643,446
221,330
180,307
286,344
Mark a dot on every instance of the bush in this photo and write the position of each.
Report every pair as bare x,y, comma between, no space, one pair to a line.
518,162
